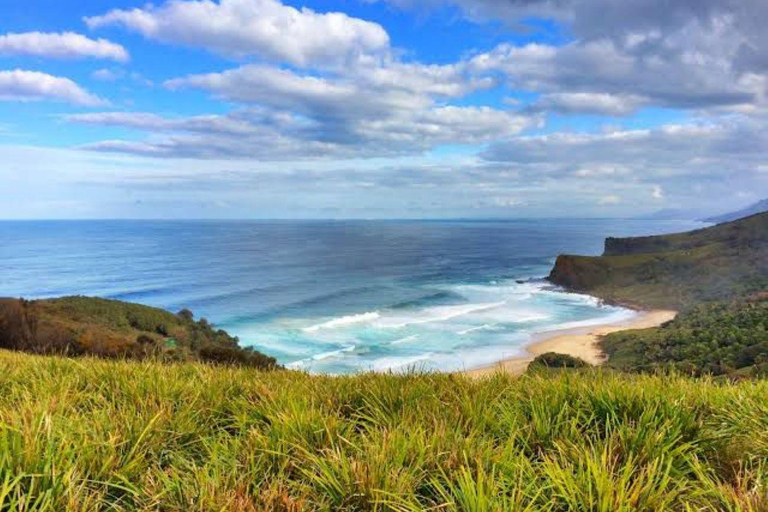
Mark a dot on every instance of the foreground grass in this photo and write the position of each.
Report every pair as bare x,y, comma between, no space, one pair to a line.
89,435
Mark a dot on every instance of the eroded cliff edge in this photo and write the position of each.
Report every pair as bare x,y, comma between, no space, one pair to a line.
674,271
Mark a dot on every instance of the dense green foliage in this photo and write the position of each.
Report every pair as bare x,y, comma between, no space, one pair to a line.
718,263
95,435
723,338
555,360
107,328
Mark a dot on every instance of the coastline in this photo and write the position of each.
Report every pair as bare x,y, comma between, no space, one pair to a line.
579,342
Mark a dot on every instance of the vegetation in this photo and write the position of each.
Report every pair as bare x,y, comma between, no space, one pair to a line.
78,326
112,434
98,435
717,276
717,339
555,360
719,263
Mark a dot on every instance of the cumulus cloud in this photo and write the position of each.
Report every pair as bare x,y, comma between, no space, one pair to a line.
262,28
390,108
603,77
264,134
691,54
64,45
21,85
664,161
358,92
591,103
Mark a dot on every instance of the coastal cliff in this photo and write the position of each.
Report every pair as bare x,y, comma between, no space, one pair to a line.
674,271
716,277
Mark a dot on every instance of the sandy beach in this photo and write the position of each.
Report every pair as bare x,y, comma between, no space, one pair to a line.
580,342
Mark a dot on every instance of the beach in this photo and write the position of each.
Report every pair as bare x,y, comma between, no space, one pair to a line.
580,342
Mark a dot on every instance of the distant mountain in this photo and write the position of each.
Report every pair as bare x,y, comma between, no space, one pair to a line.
676,271
759,207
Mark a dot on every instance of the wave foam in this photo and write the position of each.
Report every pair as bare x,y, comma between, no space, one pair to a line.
436,314
473,329
323,356
399,363
405,340
343,321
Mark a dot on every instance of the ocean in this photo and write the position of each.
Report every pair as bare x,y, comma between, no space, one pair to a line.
331,296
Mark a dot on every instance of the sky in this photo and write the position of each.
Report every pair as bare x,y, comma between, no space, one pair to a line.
381,108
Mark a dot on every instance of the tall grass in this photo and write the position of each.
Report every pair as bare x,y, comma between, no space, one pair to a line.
91,435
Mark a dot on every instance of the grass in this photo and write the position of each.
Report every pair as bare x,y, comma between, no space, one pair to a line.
91,435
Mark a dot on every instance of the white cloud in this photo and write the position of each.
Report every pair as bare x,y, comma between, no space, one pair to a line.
593,103
386,110
693,163
21,85
603,76
64,45
261,28
264,134
107,75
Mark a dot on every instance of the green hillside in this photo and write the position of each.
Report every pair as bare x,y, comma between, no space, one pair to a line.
677,271
726,338
78,326
716,276
94,435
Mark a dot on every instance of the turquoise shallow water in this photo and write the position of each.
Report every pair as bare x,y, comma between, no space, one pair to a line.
330,296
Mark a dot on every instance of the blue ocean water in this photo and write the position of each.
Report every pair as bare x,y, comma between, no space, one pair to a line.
330,296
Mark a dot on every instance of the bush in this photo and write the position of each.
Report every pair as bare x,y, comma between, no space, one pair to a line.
555,360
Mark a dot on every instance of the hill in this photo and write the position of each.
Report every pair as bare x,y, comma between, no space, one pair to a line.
98,435
79,326
759,207
676,271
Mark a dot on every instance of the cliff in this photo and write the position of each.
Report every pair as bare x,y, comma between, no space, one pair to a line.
674,271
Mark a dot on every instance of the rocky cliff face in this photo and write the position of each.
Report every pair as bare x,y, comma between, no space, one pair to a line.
579,273
675,271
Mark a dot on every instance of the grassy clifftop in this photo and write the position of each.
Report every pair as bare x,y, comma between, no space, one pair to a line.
94,435
107,328
674,271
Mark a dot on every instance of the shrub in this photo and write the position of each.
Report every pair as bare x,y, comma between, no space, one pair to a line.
555,360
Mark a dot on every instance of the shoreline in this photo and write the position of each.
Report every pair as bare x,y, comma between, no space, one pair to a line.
581,342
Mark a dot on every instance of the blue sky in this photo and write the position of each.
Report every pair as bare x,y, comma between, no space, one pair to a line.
381,108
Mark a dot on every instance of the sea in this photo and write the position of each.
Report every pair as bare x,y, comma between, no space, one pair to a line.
333,297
